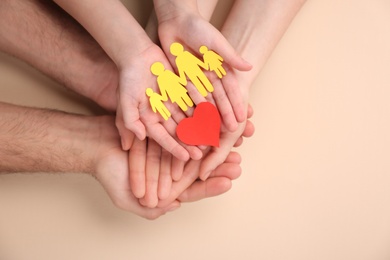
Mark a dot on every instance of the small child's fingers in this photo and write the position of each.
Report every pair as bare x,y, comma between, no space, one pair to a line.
126,135
228,53
129,113
165,179
137,167
194,152
161,136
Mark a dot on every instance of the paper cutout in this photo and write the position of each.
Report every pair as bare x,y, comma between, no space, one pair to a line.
204,127
201,129
156,101
189,65
171,85
212,61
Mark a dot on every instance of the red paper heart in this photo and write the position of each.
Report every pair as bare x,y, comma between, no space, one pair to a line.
201,129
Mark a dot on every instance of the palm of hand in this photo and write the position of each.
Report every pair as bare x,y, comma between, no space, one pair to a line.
135,113
194,32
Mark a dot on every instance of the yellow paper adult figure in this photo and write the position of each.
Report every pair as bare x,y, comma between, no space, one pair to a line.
189,65
172,85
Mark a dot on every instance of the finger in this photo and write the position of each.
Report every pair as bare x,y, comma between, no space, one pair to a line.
250,111
249,129
114,178
131,117
233,157
229,170
190,174
137,167
225,105
205,189
239,142
153,156
235,96
154,213
194,94
219,154
164,134
248,132
218,182
161,136
126,135
165,179
220,45
177,169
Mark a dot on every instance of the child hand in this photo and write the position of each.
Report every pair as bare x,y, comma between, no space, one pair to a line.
134,112
180,22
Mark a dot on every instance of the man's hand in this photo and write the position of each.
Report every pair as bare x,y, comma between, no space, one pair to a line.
112,167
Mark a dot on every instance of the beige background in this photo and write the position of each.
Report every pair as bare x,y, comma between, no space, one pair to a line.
316,175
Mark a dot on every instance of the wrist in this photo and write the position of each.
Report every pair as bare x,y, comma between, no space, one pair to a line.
167,10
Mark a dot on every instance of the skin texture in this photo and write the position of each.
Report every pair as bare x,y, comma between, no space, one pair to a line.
61,31
53,125
133,59
39,140
251,25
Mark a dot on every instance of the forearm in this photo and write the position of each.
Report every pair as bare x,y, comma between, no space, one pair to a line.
44,36
206,8
254,27
111,24
37,140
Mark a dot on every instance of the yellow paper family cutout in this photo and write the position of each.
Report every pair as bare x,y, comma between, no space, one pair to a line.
156,101
189,65
212,61
173,86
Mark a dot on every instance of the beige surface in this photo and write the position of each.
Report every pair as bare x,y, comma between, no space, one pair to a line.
316,176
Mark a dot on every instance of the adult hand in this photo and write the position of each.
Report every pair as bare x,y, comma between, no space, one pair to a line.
112,172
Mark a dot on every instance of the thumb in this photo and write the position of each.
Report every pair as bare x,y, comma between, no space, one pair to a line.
126,132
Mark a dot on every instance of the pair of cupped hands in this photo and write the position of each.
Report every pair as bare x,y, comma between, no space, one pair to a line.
158,171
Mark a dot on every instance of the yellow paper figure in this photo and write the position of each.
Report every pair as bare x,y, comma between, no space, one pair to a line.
172,85
212,61
156,102
189,65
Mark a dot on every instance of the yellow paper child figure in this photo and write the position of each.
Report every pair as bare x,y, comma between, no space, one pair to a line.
189,65
156,101
172,85
212,61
